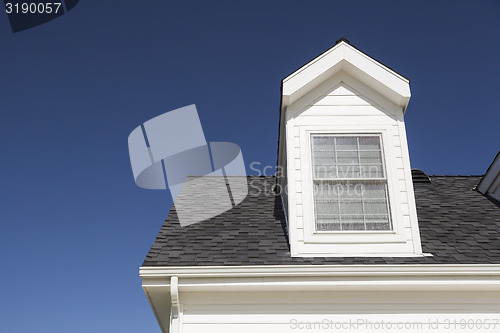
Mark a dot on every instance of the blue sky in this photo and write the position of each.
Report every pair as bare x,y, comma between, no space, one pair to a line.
74,228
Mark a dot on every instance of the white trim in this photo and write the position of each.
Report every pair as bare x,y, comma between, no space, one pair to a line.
412,206
343,57
319,58
310,176
435,270
322,278
391,243
291,185
377,100
284,211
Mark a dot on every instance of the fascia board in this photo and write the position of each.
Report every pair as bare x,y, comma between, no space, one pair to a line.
374,73
397,92
331,56
378,71
320,270
343,285
313,75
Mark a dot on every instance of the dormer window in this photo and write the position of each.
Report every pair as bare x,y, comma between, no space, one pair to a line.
350,185
343,146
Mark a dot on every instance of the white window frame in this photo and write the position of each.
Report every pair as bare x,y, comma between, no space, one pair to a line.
396,235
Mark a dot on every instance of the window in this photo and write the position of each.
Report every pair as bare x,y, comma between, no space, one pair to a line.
350,184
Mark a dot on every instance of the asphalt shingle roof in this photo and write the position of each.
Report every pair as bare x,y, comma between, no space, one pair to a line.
457,226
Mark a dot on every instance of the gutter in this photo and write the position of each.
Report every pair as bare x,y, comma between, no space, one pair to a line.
323,270
323,278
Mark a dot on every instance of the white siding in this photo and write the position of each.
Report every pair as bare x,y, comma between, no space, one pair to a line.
276,312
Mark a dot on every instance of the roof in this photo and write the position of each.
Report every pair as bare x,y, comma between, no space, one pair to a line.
457,226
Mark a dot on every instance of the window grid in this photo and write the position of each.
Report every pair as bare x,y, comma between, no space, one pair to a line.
340,220
375,218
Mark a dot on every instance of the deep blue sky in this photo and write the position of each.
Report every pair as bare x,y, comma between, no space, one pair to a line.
74,228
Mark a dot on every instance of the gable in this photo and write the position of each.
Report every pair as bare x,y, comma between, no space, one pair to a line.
343,57
343,100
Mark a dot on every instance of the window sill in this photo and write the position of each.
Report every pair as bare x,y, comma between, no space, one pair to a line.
356,249
356,237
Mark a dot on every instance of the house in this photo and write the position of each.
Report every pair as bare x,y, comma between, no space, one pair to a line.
350,238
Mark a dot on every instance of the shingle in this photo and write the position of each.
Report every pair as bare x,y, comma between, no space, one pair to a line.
457,225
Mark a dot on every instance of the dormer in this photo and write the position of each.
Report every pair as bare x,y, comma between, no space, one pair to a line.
346,178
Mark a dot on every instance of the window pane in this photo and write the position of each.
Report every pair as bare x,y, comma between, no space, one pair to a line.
371,171
327,191
374,191
346,143
353,226
351,207
325,171
347,157
369,143
324,157
375,207
348,171
370,157
349,191
326,208
377,219
324,225
324,142
378,226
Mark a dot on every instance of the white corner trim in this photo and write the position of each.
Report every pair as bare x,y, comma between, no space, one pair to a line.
410,192
285,213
